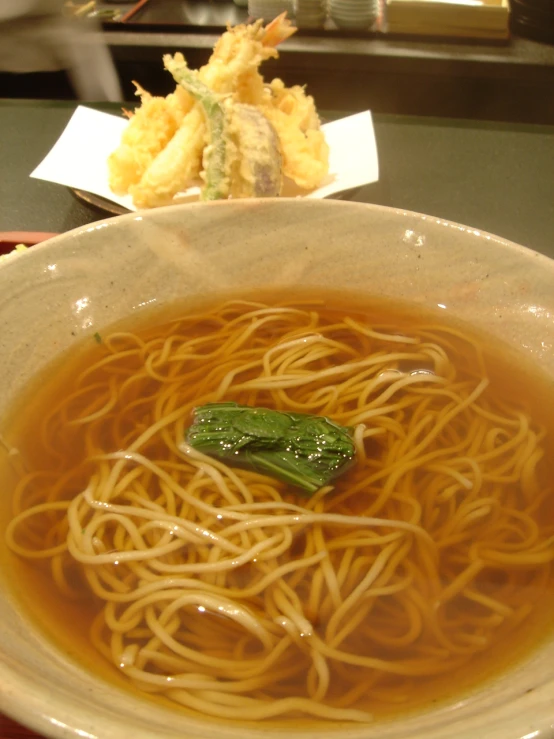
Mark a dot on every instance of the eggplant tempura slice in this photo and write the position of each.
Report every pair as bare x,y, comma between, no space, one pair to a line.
257,171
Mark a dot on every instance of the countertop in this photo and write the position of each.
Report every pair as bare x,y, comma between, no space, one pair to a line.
495,177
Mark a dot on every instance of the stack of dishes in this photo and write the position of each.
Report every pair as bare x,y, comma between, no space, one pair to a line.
310,13
533,19
354,14
268,9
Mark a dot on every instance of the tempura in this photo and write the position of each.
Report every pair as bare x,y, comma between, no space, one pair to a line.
265,132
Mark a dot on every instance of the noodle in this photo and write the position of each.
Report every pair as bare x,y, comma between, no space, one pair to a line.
231,595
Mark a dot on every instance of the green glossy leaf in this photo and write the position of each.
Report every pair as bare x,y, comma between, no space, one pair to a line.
304,450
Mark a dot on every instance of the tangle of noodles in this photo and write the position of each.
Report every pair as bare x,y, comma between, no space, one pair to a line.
231,594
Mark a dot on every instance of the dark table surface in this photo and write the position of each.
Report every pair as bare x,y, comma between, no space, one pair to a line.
491,176
494,177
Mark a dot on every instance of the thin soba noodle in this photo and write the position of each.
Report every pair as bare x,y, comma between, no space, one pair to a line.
235,596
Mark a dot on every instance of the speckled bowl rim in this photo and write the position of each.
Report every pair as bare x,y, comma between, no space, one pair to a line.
534,717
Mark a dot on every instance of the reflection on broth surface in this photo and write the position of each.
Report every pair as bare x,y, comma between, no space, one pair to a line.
234,594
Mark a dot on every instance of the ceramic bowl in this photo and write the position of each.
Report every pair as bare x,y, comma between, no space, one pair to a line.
353,13
353,6
123,264
365,9
358,22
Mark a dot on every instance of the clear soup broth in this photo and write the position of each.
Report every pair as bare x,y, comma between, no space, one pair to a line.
419,573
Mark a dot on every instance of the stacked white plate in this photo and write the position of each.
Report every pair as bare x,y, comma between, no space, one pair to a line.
268,9
310,13
354,14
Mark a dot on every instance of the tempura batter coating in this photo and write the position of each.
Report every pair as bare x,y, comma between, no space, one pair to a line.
150,129
175,166
294,117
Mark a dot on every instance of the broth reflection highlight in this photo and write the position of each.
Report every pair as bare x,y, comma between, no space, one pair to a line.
232,594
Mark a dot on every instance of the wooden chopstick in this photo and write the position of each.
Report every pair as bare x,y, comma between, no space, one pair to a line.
135,9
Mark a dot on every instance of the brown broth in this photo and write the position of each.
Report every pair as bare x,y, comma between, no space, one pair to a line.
67,623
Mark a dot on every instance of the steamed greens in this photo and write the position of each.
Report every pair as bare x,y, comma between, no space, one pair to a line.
305,451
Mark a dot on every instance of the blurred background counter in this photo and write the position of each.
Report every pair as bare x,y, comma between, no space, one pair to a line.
510,80
414,77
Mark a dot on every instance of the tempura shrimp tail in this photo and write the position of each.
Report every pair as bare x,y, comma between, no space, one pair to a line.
233,66
279,30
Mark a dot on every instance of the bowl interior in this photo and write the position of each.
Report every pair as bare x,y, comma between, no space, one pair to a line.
97,275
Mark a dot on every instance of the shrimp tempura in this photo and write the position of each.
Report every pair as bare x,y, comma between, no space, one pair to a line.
149,131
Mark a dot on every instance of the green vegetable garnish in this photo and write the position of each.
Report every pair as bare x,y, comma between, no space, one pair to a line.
305,451
215,155
97,338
